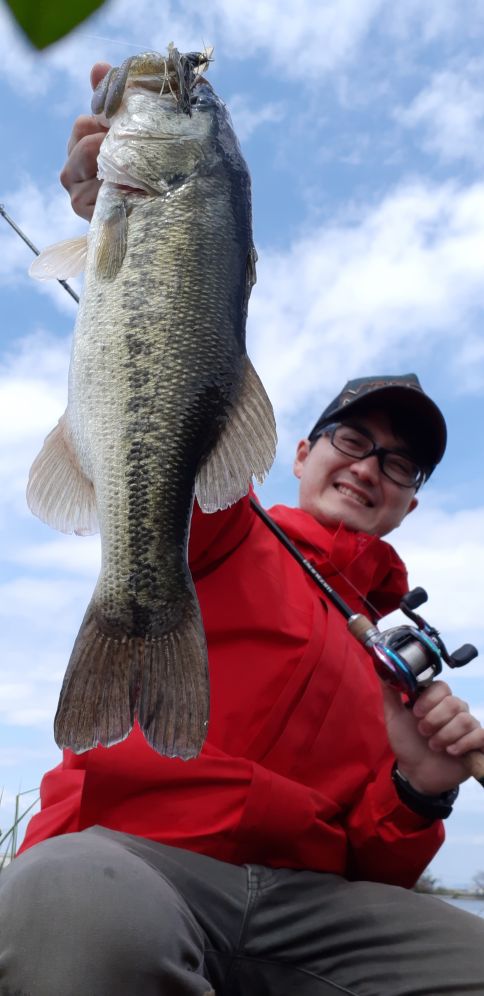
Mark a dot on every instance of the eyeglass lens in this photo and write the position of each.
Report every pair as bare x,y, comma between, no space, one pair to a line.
353,442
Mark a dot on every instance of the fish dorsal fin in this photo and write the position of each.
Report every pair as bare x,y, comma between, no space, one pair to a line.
58,491
245,449
60,261
112,240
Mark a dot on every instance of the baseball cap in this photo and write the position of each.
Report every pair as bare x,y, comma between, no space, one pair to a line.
420,421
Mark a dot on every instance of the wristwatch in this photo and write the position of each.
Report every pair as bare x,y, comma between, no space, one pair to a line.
434,807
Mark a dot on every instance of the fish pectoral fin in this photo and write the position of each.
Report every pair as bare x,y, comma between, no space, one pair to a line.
246,448
60,261
58,491
112,241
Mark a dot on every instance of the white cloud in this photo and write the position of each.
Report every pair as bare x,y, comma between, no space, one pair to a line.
76,554
446,552
25,71
246,119
450,111
33,393
367,290
310,39
423,23
11,756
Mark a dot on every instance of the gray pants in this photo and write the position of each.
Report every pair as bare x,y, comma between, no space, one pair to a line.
101,913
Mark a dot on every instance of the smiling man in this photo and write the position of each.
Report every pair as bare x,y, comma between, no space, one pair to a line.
281,860
395,436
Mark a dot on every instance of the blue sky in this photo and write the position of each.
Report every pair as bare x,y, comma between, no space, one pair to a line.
362,123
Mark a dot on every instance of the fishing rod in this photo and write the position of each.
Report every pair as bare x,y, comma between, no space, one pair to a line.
34,249
406,657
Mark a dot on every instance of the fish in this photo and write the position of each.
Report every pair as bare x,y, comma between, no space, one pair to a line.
164,404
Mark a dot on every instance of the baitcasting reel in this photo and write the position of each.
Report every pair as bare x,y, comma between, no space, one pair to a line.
408,657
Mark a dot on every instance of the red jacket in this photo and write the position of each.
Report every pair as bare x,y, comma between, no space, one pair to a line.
296,768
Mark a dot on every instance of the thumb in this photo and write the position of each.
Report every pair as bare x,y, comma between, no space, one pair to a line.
392,702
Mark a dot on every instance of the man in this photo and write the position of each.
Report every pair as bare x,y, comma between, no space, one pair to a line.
274,862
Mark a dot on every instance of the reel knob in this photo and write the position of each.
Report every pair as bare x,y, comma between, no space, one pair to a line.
414,598
463,655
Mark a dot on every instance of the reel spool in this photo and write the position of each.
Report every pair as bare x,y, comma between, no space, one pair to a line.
409,657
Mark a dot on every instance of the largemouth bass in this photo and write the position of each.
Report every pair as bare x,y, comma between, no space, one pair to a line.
163,402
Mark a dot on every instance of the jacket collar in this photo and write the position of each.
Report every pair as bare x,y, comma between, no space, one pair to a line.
348,560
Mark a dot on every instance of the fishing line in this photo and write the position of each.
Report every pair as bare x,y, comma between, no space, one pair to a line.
115,41
34,249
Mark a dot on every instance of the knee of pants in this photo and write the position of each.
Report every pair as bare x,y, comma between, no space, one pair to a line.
91,898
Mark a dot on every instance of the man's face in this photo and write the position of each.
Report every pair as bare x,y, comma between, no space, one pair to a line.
336,488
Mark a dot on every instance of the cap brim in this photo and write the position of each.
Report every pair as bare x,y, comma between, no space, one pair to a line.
402,398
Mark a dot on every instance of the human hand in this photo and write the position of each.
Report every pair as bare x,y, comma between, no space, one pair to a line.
430,739
79,174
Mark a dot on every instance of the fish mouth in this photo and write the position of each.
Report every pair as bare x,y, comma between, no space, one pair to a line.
126,188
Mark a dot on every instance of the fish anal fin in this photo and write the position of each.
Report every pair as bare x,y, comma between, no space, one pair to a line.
245,448
58,491
111,243
60,261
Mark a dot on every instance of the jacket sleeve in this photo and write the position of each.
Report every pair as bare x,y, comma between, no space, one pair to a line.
387,841
213,536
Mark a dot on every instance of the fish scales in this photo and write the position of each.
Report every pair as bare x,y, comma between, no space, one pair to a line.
163,402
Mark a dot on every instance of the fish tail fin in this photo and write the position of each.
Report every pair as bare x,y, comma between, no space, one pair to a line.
164,677
97,699
173,702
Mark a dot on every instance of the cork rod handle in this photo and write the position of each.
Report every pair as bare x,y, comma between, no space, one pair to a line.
474,762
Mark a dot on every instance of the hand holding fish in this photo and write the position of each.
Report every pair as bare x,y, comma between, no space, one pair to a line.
429,739
164,403
79,174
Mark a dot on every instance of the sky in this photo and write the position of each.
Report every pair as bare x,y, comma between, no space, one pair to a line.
362,124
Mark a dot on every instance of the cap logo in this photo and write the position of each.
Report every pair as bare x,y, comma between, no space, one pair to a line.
370,385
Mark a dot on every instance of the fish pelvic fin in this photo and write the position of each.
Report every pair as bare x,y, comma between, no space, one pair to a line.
58,491
173,703
61,260
163,677
246,448
112,241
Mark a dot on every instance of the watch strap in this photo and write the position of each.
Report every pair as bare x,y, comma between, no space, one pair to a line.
433,807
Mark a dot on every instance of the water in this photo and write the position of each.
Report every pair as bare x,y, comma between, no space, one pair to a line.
475,906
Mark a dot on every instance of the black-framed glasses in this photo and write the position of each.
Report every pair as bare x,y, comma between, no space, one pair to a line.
356,442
